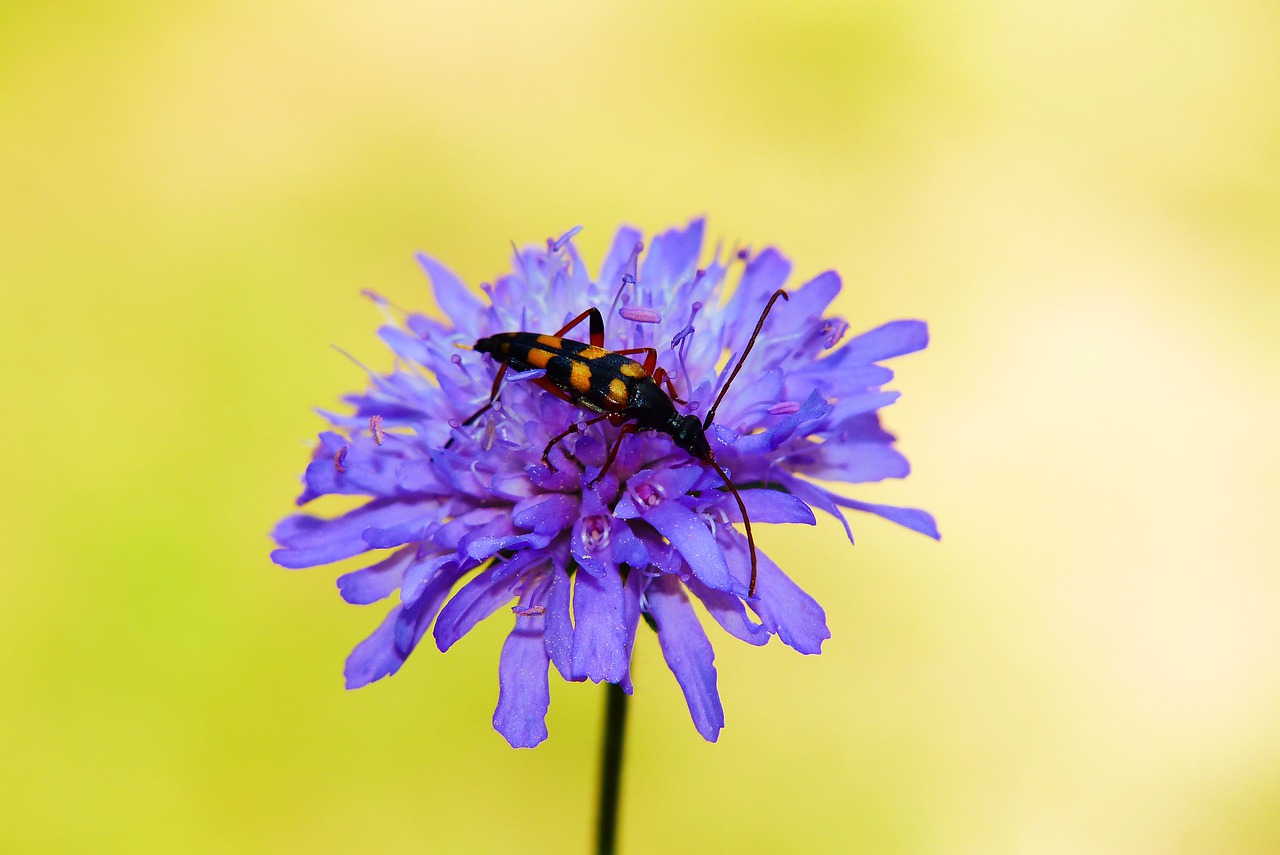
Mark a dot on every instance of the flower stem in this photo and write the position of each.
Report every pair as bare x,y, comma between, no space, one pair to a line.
615,726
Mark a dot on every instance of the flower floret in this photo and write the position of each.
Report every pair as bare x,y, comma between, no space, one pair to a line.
464,519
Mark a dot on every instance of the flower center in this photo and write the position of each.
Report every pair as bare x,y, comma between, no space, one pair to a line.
648,495
595,532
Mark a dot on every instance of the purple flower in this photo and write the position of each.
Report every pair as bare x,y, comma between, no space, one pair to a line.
481,526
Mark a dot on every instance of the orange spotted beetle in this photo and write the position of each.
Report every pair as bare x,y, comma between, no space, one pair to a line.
626,393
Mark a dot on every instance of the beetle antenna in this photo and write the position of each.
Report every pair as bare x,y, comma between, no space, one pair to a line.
746,520
711,414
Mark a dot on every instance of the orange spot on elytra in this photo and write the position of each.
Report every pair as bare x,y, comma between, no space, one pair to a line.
580,378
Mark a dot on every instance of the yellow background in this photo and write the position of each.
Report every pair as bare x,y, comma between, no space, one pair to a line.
1084,202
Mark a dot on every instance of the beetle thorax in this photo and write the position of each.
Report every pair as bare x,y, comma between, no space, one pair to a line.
688,434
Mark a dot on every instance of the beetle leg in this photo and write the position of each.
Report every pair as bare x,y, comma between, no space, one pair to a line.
650,360
597,326
660,377
493,396
613,452
571,429
547,386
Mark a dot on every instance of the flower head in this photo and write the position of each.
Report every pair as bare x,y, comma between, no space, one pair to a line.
466,520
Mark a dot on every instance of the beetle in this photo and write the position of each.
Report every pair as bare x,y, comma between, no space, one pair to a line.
628,394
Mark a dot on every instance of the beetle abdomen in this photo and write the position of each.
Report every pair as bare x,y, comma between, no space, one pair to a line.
594,378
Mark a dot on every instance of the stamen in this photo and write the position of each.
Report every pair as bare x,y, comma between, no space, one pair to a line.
784,408
628,277
366,369
834,330
338,457
392,313
559,243
490,430
681,352
641,314
632,261
531,611
375,428
457,360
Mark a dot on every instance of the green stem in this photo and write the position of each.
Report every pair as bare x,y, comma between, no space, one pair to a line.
615,726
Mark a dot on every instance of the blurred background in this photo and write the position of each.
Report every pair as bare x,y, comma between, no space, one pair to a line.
1083,202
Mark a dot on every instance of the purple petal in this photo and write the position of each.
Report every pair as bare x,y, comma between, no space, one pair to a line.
912,518
856,462
856,405
453,296
816,497
307,540
728,611
375,657
406,345
418,576
415,618
688,533
688,653
418,476
624,243
473,602
768,506
599,635
451,534
784,609
811,299
788,611
398,535
865,428
636,582
771,439
627,548
382,653
362,587
497,535
547,513
673,254
764,274
559,630
837,378
523,693
365,471
885,342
